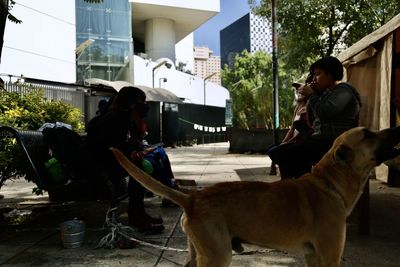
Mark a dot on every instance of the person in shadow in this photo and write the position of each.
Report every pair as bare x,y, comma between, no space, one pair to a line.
116,128
300,128
153,158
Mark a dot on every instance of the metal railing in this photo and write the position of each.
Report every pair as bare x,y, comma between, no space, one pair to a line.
66,94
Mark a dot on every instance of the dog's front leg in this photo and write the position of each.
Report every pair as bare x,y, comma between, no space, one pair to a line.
191,258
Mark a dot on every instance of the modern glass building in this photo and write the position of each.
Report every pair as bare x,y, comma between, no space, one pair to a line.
104,40
250,32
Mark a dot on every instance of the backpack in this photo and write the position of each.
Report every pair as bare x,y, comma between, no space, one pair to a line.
67,147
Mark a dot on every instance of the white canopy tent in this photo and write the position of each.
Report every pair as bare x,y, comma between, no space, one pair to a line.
152,94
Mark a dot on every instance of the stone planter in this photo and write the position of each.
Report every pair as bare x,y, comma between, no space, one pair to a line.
252,141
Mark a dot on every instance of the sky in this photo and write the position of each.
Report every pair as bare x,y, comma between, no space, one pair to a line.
208,33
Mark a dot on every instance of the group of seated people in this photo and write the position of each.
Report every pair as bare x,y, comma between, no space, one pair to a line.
120,124
326,107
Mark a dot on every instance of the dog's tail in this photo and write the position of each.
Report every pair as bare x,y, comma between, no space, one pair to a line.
150,183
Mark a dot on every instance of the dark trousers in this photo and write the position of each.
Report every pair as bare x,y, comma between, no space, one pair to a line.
162,170
116,174
296,159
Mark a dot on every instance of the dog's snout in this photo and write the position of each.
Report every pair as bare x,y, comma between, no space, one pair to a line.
389,139
391,136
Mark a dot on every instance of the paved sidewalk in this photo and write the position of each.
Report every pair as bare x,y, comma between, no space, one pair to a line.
36,242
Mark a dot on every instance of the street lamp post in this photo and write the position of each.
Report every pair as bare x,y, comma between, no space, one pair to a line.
164,80
204,85
164,62
275,77
275,69
168,65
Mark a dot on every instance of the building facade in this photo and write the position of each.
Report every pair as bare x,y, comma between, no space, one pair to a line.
43,45
71,41
206,64
250,32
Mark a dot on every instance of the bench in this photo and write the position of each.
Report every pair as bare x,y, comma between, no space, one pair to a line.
35,154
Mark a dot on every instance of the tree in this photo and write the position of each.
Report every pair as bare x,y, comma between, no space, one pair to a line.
5,8
250,87
315,28
181,66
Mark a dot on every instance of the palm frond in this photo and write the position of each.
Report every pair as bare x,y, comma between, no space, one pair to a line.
13,19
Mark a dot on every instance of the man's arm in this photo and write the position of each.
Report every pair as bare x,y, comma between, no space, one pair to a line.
330,105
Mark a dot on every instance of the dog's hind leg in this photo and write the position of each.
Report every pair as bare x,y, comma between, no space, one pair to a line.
217,257
191,258
212,245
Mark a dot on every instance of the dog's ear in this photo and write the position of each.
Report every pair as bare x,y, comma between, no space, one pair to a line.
344,154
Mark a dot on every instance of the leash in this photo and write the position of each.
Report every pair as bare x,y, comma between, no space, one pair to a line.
118,229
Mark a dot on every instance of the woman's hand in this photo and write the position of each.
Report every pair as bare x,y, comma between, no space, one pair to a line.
137,156
302,110
305,90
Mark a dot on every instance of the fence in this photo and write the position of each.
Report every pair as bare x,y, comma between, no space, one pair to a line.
192,123
69,94
204,124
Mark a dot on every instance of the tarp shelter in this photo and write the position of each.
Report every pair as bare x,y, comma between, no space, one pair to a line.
152,94
372,65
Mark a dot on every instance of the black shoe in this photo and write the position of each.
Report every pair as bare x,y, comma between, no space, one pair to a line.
166,203
154,220
140,220
147,228
124,243
154,229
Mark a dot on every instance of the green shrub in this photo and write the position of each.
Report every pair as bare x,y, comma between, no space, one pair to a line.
29,111
11,162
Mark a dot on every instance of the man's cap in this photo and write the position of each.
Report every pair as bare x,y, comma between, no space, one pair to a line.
305,78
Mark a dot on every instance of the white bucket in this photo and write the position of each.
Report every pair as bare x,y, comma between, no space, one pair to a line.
72,233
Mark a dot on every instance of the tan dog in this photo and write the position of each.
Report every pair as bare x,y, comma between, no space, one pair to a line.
306,215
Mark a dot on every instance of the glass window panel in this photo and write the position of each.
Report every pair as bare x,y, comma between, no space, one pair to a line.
109,24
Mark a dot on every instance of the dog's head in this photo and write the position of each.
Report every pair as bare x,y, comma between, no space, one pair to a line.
364,149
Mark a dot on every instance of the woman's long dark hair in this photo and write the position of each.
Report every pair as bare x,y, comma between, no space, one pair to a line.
126,97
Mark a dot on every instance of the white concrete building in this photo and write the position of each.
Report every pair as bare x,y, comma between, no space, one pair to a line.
165,28
43,46
161,24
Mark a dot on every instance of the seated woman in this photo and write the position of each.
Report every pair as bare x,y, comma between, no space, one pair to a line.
115,128
156,156
300,128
